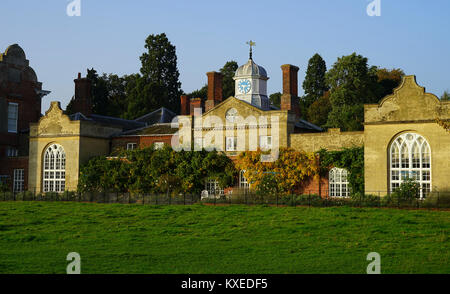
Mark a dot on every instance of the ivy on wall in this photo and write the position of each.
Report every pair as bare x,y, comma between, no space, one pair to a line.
352,159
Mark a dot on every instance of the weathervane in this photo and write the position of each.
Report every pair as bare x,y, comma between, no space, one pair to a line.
251,44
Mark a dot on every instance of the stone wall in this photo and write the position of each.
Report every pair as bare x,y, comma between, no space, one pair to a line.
333,139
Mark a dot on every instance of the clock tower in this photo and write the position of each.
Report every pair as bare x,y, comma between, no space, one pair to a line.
251,83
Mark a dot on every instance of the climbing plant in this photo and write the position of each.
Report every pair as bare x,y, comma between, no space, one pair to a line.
352,159
289,171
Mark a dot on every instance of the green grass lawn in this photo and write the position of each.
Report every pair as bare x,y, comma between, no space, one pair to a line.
35,237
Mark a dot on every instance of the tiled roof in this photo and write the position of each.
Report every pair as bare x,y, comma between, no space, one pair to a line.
156,129
303,124
108,120
159,116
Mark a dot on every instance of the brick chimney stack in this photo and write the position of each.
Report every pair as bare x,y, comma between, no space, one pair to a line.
185,105
195,103
83,96
289,99
214,90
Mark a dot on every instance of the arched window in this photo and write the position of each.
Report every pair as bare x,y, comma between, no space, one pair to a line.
338,182
243,183
54,173
414,152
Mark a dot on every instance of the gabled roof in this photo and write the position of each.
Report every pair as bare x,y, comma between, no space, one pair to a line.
159,116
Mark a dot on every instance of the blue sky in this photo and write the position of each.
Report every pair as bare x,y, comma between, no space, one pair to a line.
109,35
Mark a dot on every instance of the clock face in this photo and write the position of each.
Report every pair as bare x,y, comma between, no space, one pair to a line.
244,86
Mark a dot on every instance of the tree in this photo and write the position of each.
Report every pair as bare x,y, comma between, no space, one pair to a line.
388,80
228,71
200,93
314,84
275,99
109,96
319,110
445,96
158,84
352,83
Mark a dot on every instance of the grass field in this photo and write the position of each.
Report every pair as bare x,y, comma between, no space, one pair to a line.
35,237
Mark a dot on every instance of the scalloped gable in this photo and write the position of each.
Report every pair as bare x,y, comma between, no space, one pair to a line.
409,102
55,123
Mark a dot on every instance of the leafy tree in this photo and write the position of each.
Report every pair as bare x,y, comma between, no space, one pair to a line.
109,95
388,80
445,96
158,85
352,83
315,84
319,110
275,99
200,93
228,71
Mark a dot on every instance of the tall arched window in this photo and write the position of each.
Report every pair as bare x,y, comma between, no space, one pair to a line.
54,173
338,182
410,157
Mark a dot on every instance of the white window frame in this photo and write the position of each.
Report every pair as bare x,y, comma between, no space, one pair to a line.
338,183
265,143
131,146
158,145
54,169
231,143
12,152
19,180
213,188
243,182
410,157
10,117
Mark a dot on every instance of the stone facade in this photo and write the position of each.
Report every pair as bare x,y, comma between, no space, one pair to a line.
83,135
409,109
81,140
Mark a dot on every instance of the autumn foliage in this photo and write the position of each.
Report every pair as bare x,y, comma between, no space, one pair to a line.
289,171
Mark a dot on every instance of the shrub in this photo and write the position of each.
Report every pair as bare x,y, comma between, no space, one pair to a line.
437,199
408,190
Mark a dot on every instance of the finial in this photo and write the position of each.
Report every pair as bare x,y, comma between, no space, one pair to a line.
251,44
